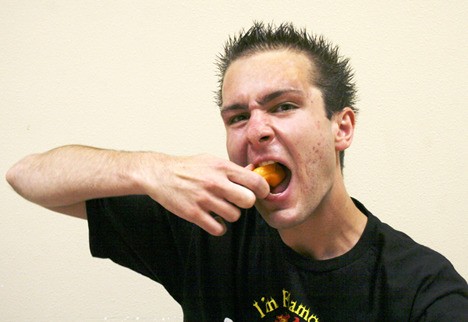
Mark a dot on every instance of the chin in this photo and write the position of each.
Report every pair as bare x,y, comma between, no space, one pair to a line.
282,219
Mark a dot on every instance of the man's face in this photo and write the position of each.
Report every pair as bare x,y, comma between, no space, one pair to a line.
272,112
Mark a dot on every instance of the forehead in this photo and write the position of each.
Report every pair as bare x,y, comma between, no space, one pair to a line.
266,71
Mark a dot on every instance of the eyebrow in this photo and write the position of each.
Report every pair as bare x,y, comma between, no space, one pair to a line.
264,100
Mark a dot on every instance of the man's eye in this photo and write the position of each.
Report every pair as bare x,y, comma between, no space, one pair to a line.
284,107
238,118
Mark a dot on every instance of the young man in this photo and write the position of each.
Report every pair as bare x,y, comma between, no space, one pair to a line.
223,244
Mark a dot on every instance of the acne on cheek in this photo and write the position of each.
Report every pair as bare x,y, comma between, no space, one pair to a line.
318,145
319,151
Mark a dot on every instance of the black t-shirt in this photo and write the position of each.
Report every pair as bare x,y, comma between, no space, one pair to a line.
249,274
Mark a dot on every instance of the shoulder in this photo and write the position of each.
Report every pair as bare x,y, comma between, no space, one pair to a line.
396,247
410,272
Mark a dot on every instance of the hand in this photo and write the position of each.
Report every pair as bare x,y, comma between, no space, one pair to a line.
204,190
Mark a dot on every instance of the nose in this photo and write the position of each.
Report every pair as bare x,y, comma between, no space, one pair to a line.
259,131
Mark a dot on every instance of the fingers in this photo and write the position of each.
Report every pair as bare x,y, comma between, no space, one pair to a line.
250,167
204,209
239,191
222,223
212,224
211,210
213,221
250,181
225,210
239,195
206,190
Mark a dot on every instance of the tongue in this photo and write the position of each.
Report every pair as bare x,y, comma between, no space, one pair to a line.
284,184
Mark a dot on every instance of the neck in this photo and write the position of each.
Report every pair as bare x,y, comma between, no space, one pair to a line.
330,231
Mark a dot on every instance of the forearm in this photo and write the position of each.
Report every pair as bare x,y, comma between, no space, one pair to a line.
194,188
72,174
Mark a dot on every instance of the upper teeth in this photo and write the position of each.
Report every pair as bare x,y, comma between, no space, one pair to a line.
266,163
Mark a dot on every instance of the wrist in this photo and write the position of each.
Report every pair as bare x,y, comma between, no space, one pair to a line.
144,171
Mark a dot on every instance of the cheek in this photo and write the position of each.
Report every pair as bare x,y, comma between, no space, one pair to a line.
317,155
234,149
324,155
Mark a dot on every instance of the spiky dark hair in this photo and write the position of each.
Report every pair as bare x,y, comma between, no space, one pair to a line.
332,73
334,76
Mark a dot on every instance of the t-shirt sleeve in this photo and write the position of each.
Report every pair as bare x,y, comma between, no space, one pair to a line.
421,281
443,295
138,233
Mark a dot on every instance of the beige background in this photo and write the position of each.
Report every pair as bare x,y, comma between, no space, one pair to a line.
139,75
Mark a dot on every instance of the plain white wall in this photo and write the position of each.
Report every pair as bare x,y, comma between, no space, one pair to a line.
140,75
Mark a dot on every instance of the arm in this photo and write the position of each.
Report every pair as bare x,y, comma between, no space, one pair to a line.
191,187
64,178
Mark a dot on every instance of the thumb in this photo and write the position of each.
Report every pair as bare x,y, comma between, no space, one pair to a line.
250,167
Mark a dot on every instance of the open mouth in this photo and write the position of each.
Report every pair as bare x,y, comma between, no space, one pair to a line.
276,174
283,185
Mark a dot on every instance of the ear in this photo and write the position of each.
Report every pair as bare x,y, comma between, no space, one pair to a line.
343,126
